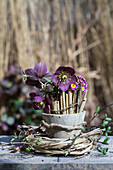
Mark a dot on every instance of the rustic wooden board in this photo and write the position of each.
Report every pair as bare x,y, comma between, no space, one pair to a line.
23,160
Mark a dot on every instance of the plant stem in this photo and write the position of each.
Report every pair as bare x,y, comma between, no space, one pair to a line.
64,102
95,115
67,111
73,142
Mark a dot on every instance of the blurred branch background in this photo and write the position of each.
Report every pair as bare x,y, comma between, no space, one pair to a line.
77,33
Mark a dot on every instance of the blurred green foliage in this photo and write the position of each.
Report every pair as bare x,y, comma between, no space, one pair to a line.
18,106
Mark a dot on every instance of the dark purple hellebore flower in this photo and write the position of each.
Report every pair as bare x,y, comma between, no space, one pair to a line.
37,74
40,102
64,76
15,70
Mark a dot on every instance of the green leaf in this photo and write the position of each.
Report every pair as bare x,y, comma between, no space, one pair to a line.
106,140
66,153
97,113
109,127
106,115
40,139
108,131
23,72
15,135
12,139
27,139
32,148
105,129
106,134
84,129
21,136
105,123
74,136
105,151
37,143
97,110
28,149
108,118
102,150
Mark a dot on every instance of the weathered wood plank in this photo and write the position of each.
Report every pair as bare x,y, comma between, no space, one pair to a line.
22,160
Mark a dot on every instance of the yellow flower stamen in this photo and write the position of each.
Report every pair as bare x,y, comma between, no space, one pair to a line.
73,85
64,77
82,88
41,103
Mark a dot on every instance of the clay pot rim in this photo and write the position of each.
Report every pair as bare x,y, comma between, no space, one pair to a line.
63,115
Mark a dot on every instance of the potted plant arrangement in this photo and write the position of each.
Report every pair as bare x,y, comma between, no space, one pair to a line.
61,97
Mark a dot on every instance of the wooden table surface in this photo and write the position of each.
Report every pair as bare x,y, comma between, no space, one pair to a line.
25,161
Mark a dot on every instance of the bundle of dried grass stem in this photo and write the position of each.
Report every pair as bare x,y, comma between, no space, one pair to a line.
69,102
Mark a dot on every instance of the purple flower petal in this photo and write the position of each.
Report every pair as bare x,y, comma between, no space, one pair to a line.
31,72
30,83
70,70
41,69
60,69
81,80
49,102
67,69
64,87
55,79
74,86
33,83
84,88
36,75
35,106
73,79
48,75
15,70
39,98
46,109
32,95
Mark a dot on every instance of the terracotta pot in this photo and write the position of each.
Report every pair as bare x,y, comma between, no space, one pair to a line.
63,126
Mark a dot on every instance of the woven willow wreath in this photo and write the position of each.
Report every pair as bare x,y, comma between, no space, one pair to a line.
36,140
